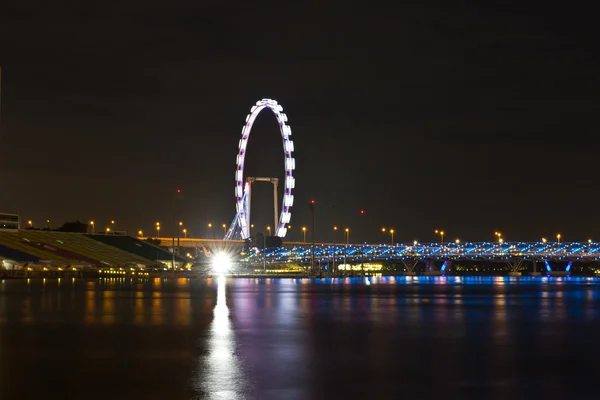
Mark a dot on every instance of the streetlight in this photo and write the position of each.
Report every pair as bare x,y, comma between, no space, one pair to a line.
107,230
544,240
558,237
93,226
185,233
457,241
441,233
140,233
589,240
224,229
392,233
499,235
269,230
158,229
347,230
30,223
304,232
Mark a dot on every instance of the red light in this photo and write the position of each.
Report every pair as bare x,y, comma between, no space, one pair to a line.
312,202
362,211
178,190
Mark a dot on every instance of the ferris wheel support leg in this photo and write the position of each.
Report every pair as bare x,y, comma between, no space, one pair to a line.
275,211
249,207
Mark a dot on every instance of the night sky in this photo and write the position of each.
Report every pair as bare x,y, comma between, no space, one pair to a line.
431,114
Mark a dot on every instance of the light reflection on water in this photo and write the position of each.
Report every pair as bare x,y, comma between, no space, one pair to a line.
220,374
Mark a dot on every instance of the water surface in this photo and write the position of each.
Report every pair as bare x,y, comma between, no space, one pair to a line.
376,338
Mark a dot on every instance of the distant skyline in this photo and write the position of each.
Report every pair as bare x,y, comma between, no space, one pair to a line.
462,117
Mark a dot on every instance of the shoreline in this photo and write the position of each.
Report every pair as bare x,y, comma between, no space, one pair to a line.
191,275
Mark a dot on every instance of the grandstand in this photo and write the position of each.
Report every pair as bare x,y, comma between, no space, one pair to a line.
62,249
141,248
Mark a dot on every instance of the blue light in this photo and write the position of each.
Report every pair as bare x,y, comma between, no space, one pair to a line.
547,265
444,265
569,266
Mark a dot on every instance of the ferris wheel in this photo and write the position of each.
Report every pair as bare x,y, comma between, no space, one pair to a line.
240,227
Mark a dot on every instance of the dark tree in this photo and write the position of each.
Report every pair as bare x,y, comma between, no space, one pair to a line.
155,242
77,227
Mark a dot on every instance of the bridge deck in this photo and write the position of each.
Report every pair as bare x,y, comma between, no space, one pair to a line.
572,251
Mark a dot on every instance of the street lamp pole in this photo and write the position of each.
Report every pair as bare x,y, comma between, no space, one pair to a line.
347,231
335,228
312,255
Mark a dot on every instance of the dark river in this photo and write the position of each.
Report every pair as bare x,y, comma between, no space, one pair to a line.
382,338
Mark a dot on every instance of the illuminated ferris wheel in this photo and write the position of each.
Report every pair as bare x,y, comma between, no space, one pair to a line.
240,227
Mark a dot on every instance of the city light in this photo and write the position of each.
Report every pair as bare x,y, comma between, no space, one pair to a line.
441,233
221,263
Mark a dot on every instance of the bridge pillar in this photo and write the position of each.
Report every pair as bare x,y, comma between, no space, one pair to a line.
514,265
535,272
431,269
552,272
446,266
410,265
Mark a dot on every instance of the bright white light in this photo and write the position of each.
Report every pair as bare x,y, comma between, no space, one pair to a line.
221,263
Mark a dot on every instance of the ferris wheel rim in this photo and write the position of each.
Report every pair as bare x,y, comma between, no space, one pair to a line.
289,166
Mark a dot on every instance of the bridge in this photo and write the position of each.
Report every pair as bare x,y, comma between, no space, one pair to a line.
514,255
